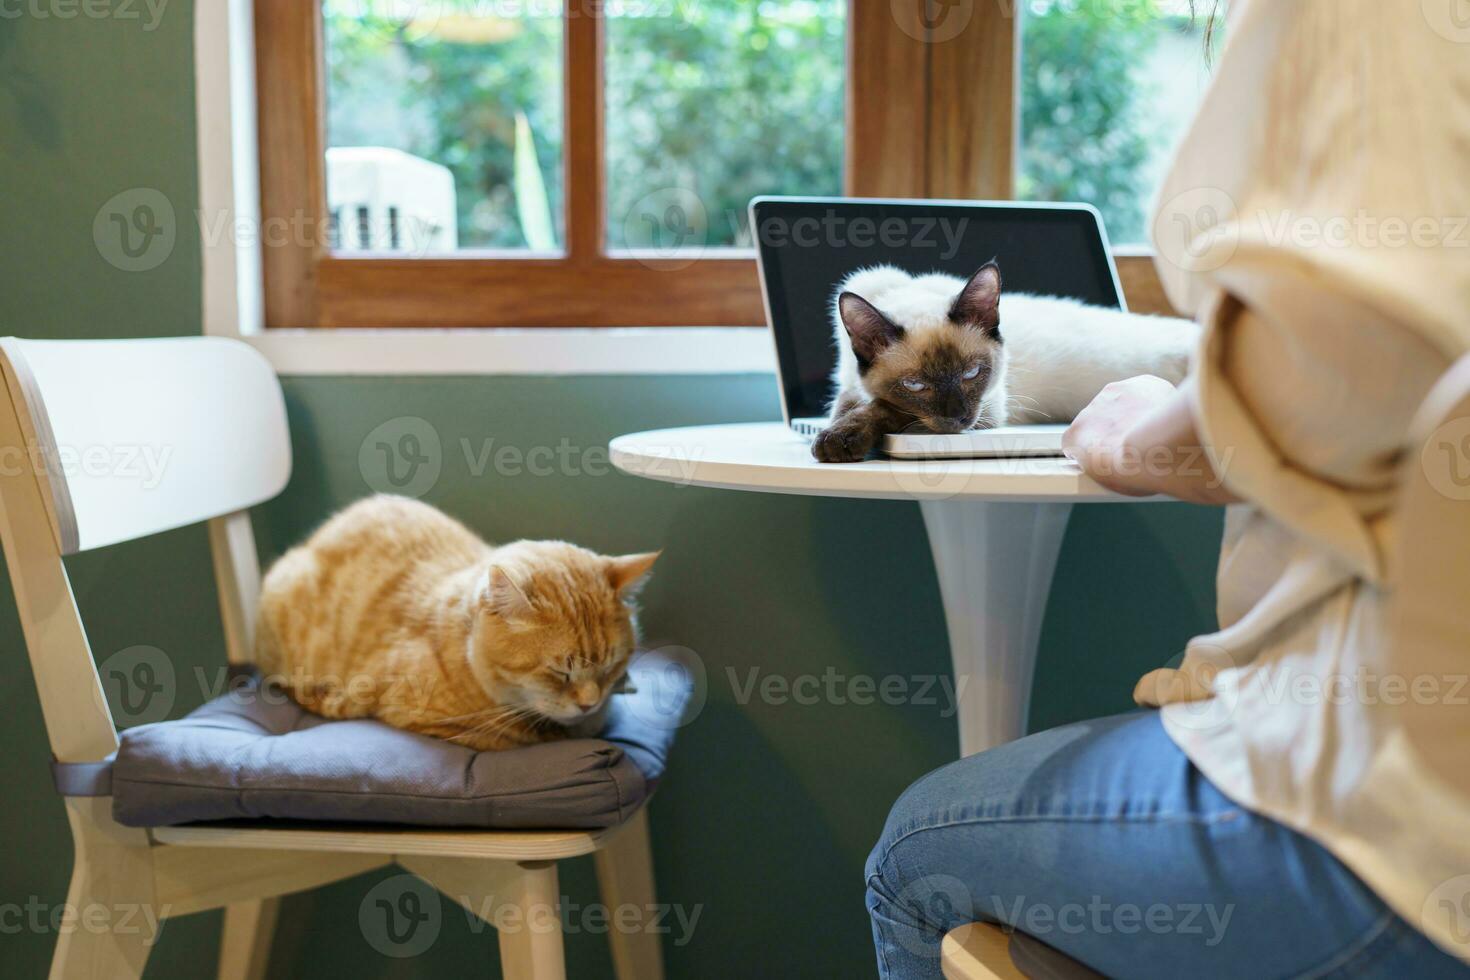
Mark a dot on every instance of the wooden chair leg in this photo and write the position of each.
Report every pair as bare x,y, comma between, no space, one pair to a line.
625,876
112,918
245,941
521,900
108,953
534,950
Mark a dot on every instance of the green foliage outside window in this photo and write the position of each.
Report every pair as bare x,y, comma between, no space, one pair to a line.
1106,87
734,99
724,98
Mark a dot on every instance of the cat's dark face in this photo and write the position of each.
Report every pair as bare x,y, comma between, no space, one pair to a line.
937,372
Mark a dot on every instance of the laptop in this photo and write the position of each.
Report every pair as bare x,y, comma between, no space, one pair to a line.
806,246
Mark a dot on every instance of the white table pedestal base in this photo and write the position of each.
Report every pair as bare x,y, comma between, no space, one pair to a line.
995,562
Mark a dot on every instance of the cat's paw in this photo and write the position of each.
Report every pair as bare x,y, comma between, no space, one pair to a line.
842,444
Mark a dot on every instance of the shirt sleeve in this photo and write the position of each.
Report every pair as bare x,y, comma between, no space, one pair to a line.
1304,399
1309,222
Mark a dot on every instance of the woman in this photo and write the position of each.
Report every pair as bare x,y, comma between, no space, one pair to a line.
1279,817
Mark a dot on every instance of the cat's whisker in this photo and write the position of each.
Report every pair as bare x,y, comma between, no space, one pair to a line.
484,714
444,719
493,721
500,725
489,715
495,725
1032,413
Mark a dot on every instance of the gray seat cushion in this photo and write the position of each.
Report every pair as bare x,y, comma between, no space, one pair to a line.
252,753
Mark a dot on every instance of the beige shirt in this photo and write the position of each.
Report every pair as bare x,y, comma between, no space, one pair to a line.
1317,222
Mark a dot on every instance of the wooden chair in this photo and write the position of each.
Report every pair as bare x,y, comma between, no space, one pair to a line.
978,951
982,951
71,431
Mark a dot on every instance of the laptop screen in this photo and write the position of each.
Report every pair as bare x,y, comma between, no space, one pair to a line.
808,246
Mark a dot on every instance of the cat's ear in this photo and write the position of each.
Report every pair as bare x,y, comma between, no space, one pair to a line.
978,304
870,331
504,597
628,573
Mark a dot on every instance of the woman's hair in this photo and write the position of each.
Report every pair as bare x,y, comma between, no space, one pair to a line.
1212,17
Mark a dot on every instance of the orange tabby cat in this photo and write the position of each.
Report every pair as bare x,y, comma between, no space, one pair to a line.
393,610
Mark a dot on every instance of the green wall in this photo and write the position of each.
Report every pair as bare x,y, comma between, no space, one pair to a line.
769,809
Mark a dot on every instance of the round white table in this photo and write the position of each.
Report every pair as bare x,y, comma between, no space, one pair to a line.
995,528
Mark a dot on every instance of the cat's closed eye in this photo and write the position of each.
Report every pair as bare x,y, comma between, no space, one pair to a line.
973,373
914,384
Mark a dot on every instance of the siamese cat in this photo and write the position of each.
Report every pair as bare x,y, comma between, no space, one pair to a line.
939,354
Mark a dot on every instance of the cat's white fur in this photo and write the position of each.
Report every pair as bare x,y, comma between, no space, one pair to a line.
1057,354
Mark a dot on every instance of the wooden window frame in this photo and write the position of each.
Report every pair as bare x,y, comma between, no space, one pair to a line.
915,128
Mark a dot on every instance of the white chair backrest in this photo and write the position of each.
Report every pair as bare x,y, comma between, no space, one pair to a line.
132,437
104,441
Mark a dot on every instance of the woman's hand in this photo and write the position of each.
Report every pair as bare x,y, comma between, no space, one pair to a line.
1098,439
1138,438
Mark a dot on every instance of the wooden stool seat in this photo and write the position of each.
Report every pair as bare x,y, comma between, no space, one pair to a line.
981,951
978,951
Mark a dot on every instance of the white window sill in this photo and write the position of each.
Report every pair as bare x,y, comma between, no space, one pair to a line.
649,350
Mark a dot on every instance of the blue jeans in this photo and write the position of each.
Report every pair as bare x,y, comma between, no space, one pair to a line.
1103,840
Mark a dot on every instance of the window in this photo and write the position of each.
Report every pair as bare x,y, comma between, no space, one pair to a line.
443,132
706,110
1107,89
548,163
